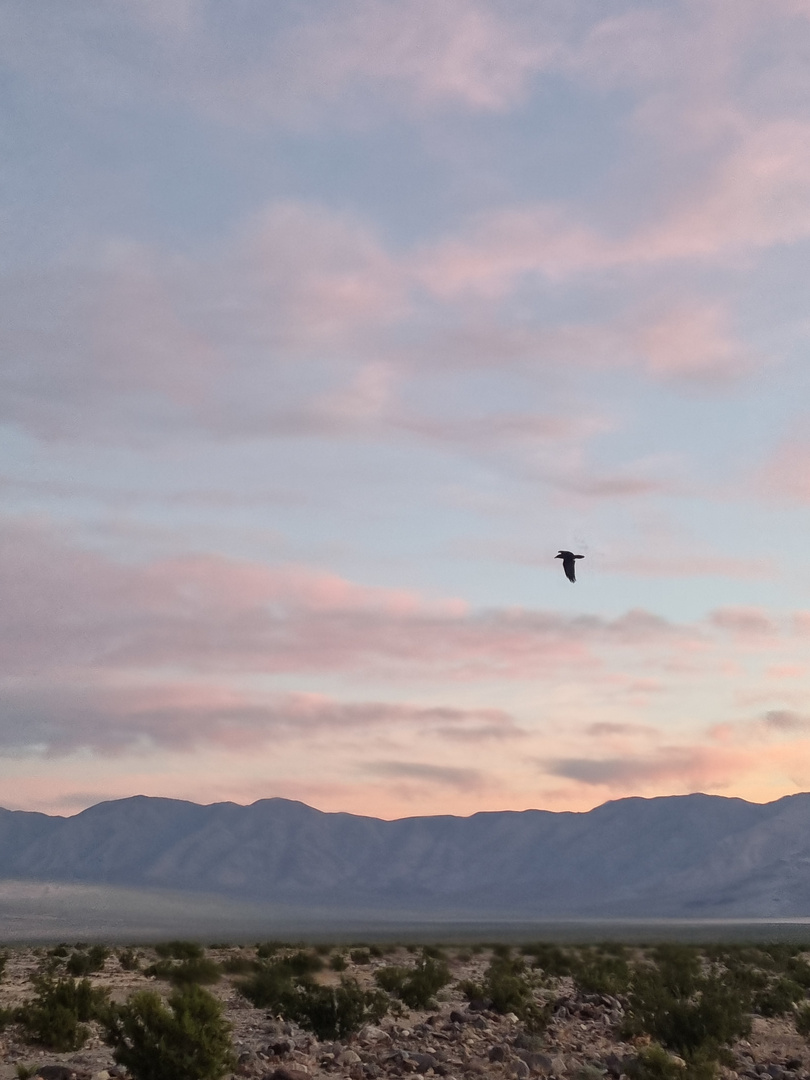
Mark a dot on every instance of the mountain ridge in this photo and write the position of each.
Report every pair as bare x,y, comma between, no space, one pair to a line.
667,857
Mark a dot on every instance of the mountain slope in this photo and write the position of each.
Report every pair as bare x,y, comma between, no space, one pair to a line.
694,855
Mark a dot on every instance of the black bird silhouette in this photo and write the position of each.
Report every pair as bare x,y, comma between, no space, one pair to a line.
568,563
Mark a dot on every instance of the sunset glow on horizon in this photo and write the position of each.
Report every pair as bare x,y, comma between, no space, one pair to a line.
325,326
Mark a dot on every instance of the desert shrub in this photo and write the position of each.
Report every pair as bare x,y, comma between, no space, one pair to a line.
424,980
692,1014
200,970
322,949
509,990
391,977
266,949
129,959
189,1039
57,1014
360,956
654,1063
60,951
799,971
159,970
330,1012
84,963
267,988
802,1017
551,959
333,1012
434,952
415,986
601,973
778,998
303,962
338,962
239,965
180,950
376,951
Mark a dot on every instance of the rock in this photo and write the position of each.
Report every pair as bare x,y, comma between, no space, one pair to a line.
283,1073
56,1072
775,1071
794,1064
478,1005
614,1065
423,1061
520,1070
540,1063
558,1066
348,1057
457,1017
497,1053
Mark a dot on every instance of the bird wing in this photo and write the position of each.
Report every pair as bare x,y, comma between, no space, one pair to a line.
568,567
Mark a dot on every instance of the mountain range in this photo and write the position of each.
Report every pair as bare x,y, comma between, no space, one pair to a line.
692,856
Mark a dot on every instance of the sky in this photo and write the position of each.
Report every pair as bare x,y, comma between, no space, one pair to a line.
323,327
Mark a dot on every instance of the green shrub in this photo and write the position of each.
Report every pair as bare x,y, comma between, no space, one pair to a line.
303,962
239,965
360,956
266,949
338,962
596,972
129,960
57,1014
799,971
84,963
692,1014
189,1039
201,970
333,1012
778,998
415,986
551,959
268,988
654,1063
180,950
506,985
803,1020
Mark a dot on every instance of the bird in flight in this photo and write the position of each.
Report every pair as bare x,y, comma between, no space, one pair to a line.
569,565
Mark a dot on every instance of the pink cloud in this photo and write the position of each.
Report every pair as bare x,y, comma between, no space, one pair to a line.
744,623
111,717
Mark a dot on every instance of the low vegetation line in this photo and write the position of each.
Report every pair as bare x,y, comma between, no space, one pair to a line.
275,1011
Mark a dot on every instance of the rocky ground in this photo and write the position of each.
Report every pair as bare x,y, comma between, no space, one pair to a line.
458,1040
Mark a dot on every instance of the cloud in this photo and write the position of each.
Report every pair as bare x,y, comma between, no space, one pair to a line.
784,720
689,767
744,623
70,608
606,728
287,64
108,717
465,779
